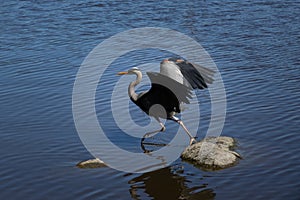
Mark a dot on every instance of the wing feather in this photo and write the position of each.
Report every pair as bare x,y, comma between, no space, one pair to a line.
182,92
194,75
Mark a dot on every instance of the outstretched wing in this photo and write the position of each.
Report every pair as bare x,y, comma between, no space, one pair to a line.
182,92
196,76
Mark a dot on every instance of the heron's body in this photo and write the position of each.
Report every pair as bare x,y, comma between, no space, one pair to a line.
159,95
169,89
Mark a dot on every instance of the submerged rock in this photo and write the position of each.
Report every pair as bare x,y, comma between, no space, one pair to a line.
212,153
92,163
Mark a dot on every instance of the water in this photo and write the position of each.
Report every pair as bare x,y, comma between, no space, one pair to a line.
254,44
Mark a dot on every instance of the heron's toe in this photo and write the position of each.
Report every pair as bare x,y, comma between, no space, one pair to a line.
193,141
163,129
147,135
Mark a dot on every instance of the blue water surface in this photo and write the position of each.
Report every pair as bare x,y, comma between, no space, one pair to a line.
255,45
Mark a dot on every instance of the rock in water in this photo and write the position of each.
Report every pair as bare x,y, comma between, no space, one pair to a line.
92,163
212,153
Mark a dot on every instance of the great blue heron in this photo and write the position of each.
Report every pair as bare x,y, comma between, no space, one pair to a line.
169,89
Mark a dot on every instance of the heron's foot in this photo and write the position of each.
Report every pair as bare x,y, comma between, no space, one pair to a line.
147,135
144,144
151,134
193,141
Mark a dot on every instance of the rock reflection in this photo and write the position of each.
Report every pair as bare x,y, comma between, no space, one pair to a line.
168,184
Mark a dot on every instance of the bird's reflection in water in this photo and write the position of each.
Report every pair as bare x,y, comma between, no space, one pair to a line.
167,183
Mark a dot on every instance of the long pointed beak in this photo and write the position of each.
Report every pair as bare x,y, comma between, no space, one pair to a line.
122,73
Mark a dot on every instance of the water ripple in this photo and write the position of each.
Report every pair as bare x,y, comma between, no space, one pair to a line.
42,44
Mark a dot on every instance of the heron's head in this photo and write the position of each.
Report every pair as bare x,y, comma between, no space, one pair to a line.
133,70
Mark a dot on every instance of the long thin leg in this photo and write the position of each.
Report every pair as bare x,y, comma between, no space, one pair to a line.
192,139
149,134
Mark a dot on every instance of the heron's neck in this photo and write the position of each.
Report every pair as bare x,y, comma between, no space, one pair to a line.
131,89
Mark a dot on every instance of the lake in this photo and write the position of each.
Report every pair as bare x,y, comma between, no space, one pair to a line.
254,44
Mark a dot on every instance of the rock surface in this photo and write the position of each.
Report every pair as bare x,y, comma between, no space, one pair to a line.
92,163
212,153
